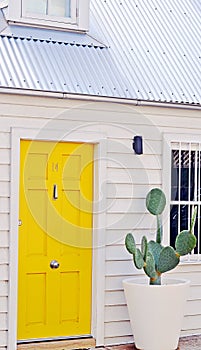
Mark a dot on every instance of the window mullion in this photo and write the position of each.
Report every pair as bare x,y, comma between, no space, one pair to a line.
189,184
179,188
198,201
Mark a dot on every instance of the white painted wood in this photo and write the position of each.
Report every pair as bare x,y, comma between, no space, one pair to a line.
193,307
4,189
4,156
116,313
3,304
191,322
3,321
4,139
3,288
124,146
4,219
4,205
119,340
130,221
127,190
4,254
117,236
134,176
130,161
118,329
4,239
123,205
3,273
3,337
116,297
4,172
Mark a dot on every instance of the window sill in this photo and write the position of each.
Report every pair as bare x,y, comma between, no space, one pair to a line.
47,25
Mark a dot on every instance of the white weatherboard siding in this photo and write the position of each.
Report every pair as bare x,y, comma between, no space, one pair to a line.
128,179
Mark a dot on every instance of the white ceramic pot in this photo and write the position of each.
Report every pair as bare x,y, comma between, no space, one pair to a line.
156,312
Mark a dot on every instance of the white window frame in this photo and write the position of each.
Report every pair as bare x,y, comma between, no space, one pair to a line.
169,141
79,20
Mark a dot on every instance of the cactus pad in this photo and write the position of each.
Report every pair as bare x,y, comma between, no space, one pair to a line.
185,242
168,259
155,201
149,268
130,243
138,259
144,247
155,248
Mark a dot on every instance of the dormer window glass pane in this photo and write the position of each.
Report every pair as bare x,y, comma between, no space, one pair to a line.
57,8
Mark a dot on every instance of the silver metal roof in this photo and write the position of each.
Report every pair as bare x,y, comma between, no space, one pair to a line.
136,49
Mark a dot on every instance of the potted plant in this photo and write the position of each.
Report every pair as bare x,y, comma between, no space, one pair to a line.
155,305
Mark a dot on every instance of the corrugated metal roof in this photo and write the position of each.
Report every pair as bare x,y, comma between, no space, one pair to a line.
158,42
154,53
52,66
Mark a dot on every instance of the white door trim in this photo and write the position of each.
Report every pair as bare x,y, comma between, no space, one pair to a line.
99,220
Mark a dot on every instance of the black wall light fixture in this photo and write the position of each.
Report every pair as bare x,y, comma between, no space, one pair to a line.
138,144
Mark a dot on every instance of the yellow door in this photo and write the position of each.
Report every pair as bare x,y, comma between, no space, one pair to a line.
55,240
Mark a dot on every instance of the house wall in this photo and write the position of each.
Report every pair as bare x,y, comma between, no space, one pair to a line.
128,179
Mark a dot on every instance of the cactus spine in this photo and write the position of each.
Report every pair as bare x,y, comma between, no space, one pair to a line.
153,257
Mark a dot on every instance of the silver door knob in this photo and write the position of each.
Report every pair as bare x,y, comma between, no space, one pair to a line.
54,264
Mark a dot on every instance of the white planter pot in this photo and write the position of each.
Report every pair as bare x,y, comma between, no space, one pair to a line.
156,312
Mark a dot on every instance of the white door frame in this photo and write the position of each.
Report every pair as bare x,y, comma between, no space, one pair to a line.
99,219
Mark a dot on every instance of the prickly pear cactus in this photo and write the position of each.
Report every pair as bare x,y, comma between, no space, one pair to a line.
154,258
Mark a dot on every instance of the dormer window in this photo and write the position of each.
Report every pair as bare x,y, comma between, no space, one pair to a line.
66,14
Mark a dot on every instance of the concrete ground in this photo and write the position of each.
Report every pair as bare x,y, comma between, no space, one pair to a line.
185,343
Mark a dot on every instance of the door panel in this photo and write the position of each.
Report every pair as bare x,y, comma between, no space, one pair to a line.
56,182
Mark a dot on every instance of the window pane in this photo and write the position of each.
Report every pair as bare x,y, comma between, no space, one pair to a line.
173,224
196,230
184,217
59,8
184,175
175,175
36,6
198,176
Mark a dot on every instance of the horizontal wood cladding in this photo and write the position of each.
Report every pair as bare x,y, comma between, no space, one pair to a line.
4,189
129,177
4,156
4,219
3,288
4,239
4,172
122,205
3,339
130,161
130,221
124,145
4,254
3,273
4,204
128,190
4,139
126,339
134,176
